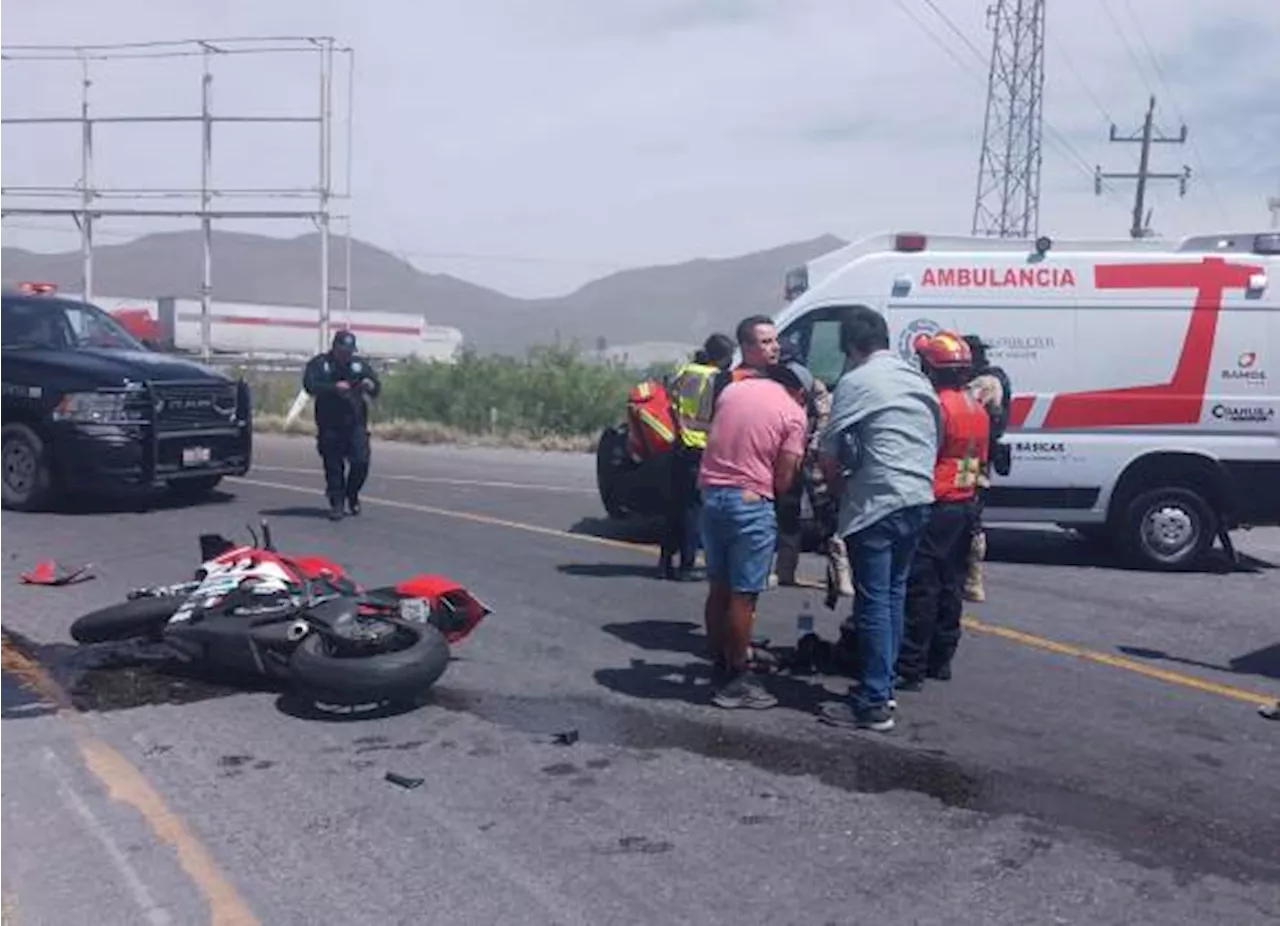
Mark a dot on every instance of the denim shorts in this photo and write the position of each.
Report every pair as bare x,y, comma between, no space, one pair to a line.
739,537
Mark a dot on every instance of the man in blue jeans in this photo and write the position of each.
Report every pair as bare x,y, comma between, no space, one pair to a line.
878,450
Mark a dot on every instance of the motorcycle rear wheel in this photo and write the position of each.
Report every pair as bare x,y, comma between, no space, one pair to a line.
318,673
139,617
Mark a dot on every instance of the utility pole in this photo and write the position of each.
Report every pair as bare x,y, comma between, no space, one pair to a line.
1274,205
1007,203
1147,138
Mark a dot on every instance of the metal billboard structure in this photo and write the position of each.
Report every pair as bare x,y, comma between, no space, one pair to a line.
137,202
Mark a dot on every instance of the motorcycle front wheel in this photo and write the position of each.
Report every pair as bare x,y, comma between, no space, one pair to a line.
140,617
329,674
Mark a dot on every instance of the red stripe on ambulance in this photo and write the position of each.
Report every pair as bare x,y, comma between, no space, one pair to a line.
1178,401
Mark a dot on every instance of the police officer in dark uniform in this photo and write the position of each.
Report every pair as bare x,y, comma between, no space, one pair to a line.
341,383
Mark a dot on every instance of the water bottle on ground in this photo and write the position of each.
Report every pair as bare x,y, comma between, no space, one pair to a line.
804,623
802,663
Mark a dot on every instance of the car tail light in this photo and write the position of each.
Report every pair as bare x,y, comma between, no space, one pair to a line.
37,289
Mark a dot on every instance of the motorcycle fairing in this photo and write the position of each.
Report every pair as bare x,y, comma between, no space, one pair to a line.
454,610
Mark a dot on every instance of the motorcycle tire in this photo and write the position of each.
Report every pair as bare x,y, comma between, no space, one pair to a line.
365,679
140,617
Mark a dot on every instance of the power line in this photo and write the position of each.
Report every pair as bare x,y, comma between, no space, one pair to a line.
1054,137
1177,110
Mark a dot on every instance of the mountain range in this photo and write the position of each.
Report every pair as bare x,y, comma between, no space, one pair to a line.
679,304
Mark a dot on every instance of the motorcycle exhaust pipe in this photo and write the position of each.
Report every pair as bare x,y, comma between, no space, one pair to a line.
297,630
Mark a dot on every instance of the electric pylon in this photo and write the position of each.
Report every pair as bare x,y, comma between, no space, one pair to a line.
1008,200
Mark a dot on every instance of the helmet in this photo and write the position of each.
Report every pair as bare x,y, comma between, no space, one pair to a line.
944,351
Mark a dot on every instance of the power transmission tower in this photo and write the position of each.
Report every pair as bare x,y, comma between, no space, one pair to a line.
1008,199
1147,138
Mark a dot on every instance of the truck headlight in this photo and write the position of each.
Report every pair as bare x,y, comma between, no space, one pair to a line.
97,408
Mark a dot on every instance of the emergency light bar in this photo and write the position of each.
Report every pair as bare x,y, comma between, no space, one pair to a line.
909,241
797,283
1267,243
37,289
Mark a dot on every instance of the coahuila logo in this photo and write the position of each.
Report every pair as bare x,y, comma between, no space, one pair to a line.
1246,371
1257,414
913,330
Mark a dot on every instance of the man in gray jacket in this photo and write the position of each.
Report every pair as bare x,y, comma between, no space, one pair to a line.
878,449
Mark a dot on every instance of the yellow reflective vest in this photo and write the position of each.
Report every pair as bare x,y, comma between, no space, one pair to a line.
693,400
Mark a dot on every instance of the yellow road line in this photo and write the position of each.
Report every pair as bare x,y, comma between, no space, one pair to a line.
1118,662
1008,633
471,516
125,782
443,480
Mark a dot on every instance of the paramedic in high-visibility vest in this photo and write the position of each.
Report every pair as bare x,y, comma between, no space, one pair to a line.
692,397
935,585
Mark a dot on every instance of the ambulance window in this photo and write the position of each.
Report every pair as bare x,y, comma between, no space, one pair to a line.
826,359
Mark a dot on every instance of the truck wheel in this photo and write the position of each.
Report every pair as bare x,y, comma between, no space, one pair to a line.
1169,528
611,455
28,479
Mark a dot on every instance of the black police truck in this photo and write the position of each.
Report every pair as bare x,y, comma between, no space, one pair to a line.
89,408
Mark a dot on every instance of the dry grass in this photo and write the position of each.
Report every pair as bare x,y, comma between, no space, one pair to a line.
431,432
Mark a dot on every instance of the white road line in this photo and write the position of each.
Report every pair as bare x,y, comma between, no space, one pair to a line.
442,480
155,914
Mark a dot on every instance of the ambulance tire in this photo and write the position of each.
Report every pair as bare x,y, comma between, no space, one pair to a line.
1169,529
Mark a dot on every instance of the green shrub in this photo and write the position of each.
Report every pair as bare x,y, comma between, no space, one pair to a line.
552,392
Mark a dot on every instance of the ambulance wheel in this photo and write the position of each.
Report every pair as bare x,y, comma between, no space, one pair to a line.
1170,528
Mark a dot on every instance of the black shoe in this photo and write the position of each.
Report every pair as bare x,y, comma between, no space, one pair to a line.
942,673
666,569
690,574
843,714
353,505
335,512
743,692
902,683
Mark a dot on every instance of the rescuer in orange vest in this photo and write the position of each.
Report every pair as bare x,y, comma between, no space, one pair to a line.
935,587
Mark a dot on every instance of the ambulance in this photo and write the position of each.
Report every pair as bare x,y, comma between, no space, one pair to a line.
1145,373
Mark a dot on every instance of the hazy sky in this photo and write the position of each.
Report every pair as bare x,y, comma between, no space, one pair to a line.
530,145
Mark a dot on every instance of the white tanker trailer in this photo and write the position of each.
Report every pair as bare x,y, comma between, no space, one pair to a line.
268,331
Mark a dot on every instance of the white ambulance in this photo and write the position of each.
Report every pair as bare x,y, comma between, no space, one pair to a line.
1146,374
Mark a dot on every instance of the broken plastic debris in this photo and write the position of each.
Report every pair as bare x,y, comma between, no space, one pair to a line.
402,781
567,738
49,572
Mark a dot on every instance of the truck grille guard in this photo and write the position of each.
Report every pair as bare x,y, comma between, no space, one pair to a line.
193,410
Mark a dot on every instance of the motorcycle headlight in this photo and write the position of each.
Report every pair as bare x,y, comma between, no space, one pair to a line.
97,408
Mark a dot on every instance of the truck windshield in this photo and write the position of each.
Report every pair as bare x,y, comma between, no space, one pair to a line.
42,323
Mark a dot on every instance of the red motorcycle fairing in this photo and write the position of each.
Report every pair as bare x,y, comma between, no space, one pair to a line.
455,611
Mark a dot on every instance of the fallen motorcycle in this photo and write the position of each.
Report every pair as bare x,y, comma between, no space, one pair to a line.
298,619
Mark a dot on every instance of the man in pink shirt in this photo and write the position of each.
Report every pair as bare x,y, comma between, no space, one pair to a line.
754,450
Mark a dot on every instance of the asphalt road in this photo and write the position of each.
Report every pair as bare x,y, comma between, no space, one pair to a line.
1097,759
